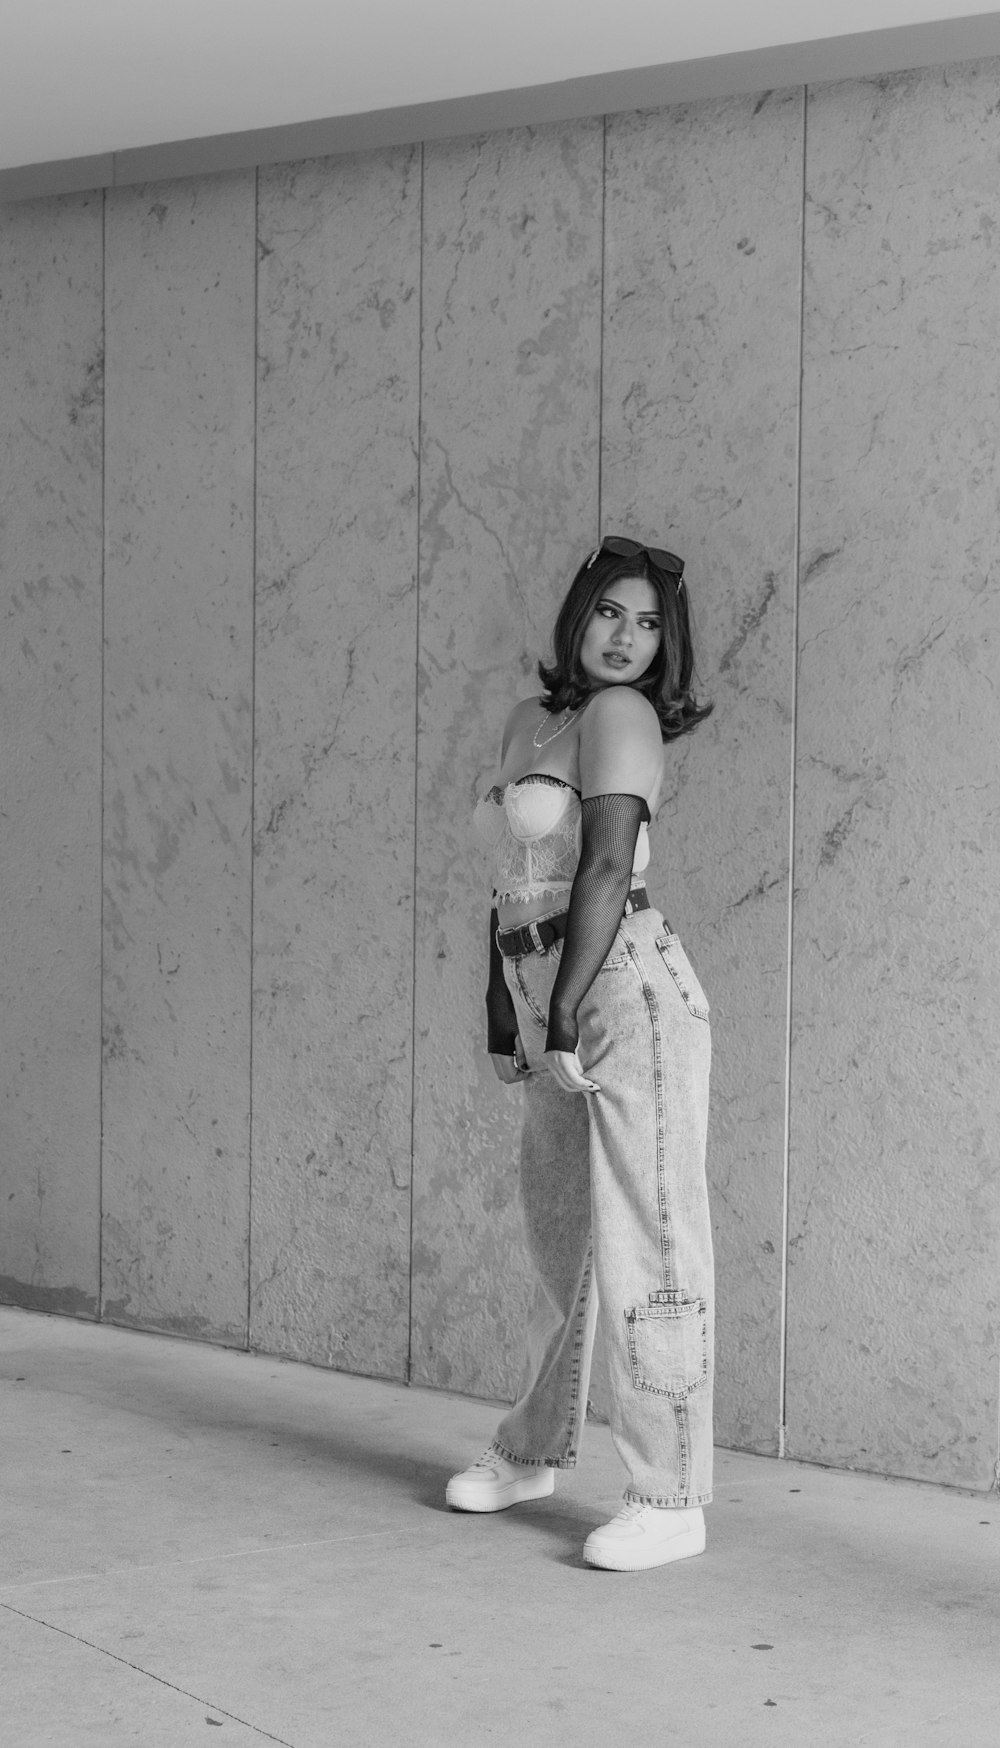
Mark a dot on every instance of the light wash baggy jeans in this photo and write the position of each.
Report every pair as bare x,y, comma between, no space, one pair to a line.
613,1186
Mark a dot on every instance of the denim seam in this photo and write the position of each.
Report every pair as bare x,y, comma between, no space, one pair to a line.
665,1501
532,1462
582,1305
682,1426
666,1243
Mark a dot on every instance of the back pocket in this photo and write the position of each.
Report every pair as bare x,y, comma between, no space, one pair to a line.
683,973
668,1347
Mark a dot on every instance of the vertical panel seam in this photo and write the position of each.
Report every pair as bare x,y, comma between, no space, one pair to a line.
253,727
996,1467
600,336
101,739
416,766
793,762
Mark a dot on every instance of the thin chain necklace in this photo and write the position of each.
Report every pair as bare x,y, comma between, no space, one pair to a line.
568,715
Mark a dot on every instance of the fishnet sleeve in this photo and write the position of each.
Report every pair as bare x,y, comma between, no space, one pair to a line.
501,1017
610,827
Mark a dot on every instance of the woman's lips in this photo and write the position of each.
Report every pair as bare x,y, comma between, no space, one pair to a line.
615,660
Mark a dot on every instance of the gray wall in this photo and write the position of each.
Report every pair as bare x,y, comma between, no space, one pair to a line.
296,466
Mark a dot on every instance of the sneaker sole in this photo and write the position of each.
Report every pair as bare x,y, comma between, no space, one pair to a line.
678,1548
513,1493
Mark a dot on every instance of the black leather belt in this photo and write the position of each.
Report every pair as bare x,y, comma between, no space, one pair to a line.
538,937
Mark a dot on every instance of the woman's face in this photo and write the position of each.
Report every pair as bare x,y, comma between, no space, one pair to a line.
623,633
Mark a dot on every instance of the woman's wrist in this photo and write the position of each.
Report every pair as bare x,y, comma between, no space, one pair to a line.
500,1043
563,1032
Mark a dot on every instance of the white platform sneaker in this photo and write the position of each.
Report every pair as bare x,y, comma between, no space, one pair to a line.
493,1483
642,1536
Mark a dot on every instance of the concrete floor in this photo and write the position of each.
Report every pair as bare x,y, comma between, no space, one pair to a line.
203,1545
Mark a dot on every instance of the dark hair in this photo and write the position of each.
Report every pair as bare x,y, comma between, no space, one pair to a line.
668,679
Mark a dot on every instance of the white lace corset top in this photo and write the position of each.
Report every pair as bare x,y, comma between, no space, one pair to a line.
533,830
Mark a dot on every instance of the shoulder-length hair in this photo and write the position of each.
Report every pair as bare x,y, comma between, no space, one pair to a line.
667,682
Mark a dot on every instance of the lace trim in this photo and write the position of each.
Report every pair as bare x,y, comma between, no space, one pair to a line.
498,790
524,894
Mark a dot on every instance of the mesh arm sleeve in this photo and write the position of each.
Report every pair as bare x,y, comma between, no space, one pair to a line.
501,1018
610,828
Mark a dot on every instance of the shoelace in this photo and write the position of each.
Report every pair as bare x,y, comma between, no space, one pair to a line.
493,1460
631,1509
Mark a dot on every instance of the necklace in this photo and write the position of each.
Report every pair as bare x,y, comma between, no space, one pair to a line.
568,715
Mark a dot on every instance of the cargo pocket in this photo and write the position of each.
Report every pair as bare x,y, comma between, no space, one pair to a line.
668,1346
683,973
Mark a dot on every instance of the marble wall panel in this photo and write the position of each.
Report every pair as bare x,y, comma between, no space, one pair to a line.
894,1189
703,247
339,301
510,358
178,678
51,418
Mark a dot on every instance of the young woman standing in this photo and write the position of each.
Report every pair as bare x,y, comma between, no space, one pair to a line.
594,1008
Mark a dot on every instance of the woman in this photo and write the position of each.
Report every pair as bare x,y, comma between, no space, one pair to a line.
594,1007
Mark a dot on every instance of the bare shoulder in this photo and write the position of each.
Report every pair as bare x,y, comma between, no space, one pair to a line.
619,710
621,747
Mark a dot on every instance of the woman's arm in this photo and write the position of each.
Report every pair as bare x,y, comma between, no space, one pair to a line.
621,747
621,759
503,1042
501,1017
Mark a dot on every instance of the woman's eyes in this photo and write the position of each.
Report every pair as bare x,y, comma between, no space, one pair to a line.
644,624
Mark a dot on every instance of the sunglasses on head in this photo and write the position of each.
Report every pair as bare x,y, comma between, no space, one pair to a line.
622,548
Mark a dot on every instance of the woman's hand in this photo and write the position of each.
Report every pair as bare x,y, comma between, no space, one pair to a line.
565,1066
511,1069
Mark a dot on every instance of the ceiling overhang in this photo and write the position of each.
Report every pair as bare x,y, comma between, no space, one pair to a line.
856,55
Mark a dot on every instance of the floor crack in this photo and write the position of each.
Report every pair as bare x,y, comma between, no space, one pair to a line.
138,1669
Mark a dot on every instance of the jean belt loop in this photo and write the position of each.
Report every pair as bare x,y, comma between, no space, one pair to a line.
536,937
